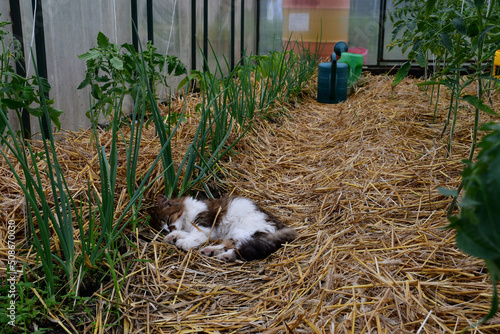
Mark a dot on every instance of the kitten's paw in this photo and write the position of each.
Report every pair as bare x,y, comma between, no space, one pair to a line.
187,244
212,250
172,237
228,256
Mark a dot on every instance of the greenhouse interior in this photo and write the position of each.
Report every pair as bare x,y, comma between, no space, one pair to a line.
274,166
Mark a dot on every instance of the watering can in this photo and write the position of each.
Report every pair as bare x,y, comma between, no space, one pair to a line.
332,82
355,62
354,59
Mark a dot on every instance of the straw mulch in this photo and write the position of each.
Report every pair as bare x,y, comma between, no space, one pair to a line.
359,181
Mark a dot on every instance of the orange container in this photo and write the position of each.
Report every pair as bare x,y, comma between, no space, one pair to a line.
311,21
496,65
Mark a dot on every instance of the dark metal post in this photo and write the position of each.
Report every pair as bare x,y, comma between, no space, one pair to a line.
135,27
41,57
242,40
17,31
193,35
381,31
149,10
205,34
231,43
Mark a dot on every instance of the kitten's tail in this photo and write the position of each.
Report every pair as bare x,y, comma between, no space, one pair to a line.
262,244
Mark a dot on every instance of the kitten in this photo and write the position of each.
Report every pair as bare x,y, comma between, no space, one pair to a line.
248,232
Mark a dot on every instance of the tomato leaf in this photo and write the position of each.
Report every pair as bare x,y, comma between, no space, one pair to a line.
474,101
401,74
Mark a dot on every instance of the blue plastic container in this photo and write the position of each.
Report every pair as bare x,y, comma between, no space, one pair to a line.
332,89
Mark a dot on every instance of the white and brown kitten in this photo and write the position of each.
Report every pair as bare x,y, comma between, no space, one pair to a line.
247,231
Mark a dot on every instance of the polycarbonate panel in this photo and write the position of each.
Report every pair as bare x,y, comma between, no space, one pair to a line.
218,34
30,50
172,36
250,35
5,10
316,24
248,14
237,31
271,26
394,55
142,23
364,27
355,22
71,30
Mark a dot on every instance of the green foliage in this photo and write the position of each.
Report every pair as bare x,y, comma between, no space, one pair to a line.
112,72
54,208
27,307
103,240
16,92
284,75
235,95
208,146
135,73
440,27
60,217
461,37
401,74
478,225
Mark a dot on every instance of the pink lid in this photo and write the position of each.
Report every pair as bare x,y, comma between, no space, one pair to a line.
360,51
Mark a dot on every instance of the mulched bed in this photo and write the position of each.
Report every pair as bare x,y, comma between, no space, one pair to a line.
358,180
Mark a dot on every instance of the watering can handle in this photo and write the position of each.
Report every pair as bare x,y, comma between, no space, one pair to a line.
333,79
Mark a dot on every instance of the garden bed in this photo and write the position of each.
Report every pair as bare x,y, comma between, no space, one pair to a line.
358,180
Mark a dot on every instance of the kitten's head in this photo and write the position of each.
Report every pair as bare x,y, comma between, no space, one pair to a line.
168,211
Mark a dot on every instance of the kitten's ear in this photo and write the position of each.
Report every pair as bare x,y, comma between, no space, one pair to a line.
162,201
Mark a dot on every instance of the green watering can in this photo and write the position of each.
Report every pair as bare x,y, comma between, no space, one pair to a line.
355,62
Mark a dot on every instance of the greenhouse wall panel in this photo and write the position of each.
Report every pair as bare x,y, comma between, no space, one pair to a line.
222,29
271,26
250,26
71,30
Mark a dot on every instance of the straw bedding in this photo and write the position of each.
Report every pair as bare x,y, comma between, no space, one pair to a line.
358,180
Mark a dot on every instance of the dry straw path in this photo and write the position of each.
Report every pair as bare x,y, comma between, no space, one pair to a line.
359,181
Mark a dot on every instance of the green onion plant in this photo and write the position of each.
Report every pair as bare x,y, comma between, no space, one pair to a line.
61,216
